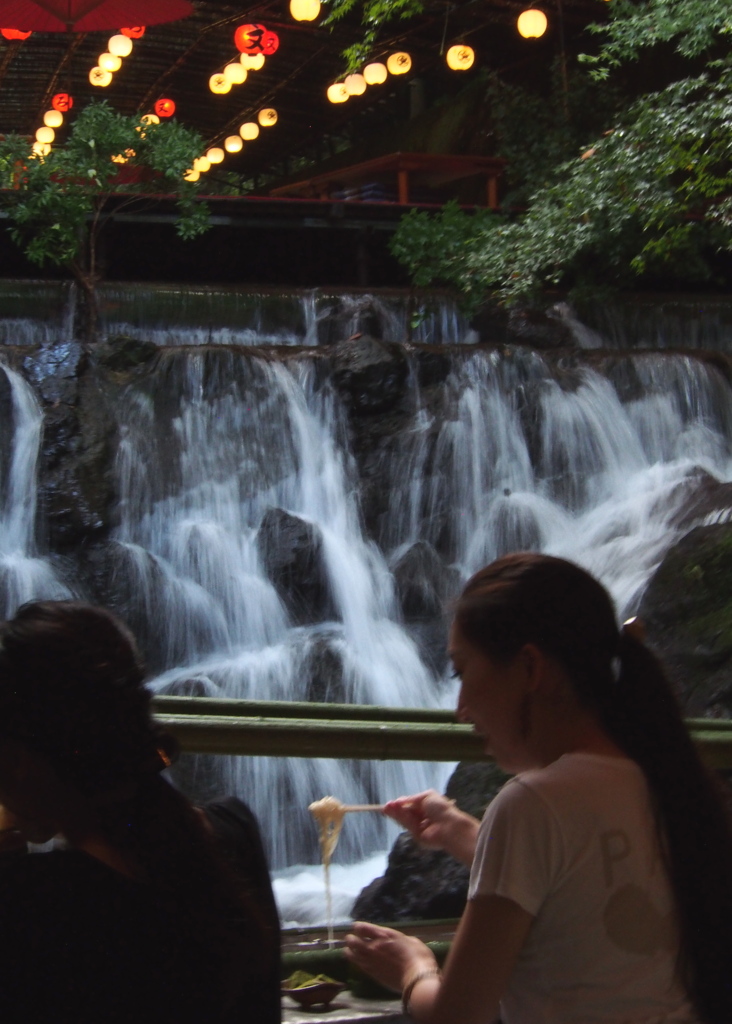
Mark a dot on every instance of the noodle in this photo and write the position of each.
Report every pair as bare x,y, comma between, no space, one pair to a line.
329,813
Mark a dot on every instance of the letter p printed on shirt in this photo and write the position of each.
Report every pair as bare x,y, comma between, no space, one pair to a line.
615,846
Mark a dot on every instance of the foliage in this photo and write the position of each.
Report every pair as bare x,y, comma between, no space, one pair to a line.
652,196
374,14
56,204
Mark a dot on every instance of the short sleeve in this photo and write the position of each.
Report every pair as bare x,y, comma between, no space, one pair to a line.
519,850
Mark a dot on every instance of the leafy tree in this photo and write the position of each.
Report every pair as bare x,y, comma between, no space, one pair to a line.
653,195
58,204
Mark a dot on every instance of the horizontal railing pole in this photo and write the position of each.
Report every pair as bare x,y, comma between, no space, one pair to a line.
370,739
173,705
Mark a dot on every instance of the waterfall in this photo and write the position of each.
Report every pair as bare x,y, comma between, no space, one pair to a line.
24,575
212,443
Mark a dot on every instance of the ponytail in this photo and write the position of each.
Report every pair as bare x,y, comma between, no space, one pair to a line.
643,717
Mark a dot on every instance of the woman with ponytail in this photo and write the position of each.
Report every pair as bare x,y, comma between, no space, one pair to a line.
601,878
140,914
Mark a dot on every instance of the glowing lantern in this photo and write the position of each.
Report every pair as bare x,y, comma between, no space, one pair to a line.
304,10
337,93
460,58
45,135
14,33
215,155
120,46
252,61
267,117
41,148
62,101
53,118
98,76
235,74
255,39
201,164
109,62
133,33
233,144
119,159
150,119
192,175
219,84
532,24
165,108
399,63
355,85
375,74
249,131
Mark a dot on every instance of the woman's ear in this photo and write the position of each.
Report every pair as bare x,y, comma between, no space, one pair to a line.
544,675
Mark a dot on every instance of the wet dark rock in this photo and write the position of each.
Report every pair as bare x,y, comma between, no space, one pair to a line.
370,374
323,668
121,354
55,369
338,320
709,499
539,329
292,553
423,582
687,609
421,884
431,638
433,365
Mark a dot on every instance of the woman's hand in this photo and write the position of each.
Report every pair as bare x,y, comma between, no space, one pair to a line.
387,955
436,822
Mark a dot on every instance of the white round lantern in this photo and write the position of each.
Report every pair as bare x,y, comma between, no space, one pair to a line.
399,63
41,149
532,24
219,84
109,62
304,10
201,164
150,119
53,118
98,76
233,144
192,175
215,155
337,93
375,74
252,61
46,135
249,130
235,74
267,116
460,58
355,85
120,46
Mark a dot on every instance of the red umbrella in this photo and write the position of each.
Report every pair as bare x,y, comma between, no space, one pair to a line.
89,15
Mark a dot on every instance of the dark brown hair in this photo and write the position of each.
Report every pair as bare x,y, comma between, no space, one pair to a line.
531,598
72,688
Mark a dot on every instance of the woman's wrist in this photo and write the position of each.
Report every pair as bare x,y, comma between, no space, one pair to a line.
428,971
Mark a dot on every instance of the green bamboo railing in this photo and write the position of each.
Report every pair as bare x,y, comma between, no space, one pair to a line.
207,725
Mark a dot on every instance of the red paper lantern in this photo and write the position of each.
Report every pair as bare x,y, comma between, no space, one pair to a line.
133,33
14,33
62,101
255,39
165,108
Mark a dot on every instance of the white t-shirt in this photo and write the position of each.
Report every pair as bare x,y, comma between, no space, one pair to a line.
575,845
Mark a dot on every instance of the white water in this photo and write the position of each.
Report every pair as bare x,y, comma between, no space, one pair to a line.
23,574
504,455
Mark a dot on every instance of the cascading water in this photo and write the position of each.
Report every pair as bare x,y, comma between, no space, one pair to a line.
24,575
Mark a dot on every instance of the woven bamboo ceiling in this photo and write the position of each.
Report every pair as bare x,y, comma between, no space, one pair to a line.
177,59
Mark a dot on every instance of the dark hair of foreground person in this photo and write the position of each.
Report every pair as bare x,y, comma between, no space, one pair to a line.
143,917
536,599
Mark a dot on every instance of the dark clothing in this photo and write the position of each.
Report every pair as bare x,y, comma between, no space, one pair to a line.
82,944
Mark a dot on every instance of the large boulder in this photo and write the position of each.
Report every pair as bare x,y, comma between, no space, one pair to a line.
370,374
687,609
291,550
421,884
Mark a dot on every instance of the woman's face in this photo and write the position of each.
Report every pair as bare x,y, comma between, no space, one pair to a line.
494,697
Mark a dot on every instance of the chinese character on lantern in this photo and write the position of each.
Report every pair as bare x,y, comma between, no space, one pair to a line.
256,39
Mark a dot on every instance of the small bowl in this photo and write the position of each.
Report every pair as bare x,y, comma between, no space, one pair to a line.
320,994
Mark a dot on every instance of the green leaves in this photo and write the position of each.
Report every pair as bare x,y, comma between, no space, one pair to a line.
58,204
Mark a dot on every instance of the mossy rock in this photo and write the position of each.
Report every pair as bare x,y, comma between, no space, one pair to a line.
687,609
